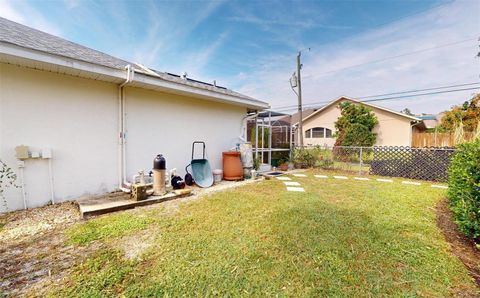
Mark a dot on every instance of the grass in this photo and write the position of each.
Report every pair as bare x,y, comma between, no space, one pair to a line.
107,227
340,238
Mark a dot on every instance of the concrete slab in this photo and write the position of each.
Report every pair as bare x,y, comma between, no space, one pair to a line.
385,180
439,186
411,183
321,176
300,189
283,178
299,175
291,183
361,178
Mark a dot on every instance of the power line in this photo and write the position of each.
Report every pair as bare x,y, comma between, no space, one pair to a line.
393,93
389,98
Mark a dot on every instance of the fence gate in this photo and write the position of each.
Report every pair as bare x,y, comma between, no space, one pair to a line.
414,163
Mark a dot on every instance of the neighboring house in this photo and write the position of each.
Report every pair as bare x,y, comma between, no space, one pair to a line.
431,121
393,129
103,120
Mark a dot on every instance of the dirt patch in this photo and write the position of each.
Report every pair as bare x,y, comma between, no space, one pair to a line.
462,247
21,225
134,245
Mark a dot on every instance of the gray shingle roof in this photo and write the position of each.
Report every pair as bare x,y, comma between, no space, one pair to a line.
24,36
27,37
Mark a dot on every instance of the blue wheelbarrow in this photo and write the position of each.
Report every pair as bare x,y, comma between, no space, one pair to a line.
200,169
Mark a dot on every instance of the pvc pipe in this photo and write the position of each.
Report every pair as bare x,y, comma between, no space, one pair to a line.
24,194
50,174
243,134
122,172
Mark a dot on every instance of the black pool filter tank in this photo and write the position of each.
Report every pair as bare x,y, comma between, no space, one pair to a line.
159,171
159,162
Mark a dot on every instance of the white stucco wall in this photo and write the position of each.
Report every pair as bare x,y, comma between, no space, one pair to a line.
392,129
78,119
168,124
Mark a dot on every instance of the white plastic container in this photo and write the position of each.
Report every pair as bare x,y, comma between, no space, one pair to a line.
217,175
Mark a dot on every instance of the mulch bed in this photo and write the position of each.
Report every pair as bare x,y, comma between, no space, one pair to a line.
462,247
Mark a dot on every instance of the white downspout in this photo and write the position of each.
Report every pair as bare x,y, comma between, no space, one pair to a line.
243,135
122,180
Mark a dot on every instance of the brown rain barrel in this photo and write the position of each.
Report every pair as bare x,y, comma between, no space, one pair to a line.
232,166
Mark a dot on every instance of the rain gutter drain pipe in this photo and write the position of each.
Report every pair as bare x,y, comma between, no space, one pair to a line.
243,134
122,170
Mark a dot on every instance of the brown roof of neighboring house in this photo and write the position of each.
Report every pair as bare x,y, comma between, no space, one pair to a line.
292,119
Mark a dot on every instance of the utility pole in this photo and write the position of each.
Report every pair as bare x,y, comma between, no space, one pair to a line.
299,94
296,81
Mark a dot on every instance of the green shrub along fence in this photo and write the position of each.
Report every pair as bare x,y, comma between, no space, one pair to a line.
464,188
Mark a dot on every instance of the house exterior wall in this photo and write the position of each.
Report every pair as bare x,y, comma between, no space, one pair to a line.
392,130
78,119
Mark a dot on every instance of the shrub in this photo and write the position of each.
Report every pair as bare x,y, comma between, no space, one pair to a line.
358,135
464,188
304,158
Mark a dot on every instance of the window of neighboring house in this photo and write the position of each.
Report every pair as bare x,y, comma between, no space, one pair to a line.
318,132
328,133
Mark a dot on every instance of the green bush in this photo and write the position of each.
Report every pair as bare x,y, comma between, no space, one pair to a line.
357,134
304,158
464,188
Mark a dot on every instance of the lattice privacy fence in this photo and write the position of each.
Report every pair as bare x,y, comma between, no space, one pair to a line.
415,163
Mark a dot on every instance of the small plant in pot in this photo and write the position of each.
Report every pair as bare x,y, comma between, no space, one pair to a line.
283,165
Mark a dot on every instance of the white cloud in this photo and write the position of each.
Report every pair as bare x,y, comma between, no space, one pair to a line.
447,65
21,12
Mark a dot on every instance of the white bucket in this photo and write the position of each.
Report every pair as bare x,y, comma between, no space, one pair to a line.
217,175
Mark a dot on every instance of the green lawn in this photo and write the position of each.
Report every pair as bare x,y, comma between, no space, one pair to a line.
339,238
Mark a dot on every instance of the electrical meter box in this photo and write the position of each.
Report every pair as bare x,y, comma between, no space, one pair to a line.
21,152
46,153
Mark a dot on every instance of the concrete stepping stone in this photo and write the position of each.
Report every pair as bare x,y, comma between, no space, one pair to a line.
384,180
299,175
283,178
439,186
362,178
411,183
321,176
299,189
291,183
340,177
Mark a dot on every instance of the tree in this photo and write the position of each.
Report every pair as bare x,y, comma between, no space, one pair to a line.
407,111
355,125
7,179
468,113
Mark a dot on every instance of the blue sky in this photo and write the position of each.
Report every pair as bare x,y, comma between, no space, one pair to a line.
250,46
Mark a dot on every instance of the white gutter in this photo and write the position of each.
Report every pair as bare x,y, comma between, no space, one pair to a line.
122,159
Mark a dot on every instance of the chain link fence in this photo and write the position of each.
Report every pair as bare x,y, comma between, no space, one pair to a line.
414,163
351,159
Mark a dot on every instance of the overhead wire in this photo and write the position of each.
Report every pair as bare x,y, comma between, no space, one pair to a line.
311,105
392,93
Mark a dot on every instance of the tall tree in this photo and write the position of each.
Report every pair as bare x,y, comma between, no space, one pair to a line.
355,125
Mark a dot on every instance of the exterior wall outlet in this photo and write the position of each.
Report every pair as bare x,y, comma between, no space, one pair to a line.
21,152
